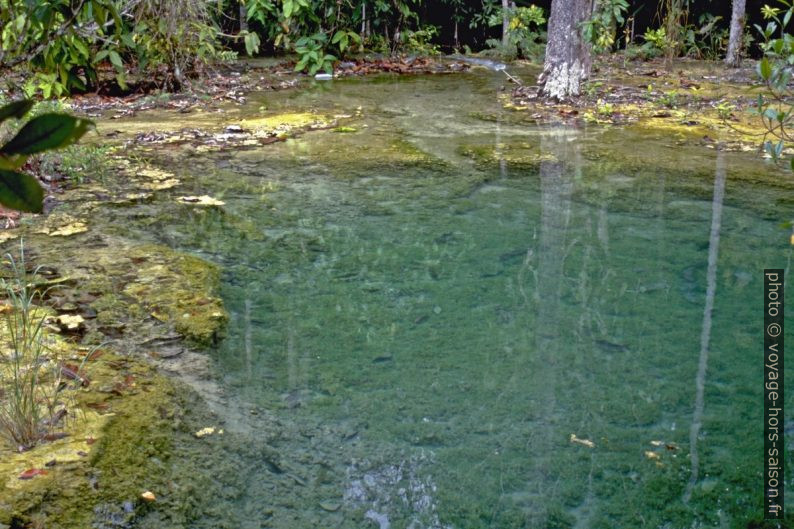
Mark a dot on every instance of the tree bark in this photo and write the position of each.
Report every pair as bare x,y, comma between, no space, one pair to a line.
243,16
567,61
505,21
734,56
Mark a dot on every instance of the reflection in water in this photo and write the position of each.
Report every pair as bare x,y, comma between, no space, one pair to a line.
705,334
556,188
437,313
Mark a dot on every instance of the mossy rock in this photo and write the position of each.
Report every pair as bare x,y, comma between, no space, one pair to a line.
179,289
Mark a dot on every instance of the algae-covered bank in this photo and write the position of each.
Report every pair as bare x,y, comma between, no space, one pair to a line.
394,303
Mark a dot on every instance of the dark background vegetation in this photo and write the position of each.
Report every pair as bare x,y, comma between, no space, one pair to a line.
646,16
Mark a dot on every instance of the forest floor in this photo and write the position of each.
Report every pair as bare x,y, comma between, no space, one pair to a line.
702,100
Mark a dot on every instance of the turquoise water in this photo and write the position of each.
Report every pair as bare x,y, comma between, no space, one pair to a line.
453,318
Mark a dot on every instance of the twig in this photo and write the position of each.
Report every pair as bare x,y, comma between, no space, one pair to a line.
516,80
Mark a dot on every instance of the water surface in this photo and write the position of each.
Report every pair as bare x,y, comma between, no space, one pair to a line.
453,318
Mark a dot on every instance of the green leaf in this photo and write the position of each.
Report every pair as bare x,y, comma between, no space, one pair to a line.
251,43
302,64
101,55
45,132
21,192
765,69
17,109
115,59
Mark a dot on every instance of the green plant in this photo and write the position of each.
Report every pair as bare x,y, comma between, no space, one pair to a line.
707,40
78,163
774,106
603,109
312,56
592,87
524,35
725,110
601,29
669,99
45,132
420,41
676,13
344,39
29,380
656,38
174,40
60,40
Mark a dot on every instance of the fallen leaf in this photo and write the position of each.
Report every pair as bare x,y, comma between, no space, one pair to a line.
32,473
209,430
584,442
55,436
70,323
72,372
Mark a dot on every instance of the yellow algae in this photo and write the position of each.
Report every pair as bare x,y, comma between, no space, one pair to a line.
60,224
161,185
82,433
285,122
154,174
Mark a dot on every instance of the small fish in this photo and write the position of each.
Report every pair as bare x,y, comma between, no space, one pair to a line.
382,358
421,319
612,347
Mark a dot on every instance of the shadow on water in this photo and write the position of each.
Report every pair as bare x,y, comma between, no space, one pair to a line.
452,319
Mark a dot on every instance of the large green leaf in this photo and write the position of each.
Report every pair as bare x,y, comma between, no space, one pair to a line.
20,191
17,109
45,132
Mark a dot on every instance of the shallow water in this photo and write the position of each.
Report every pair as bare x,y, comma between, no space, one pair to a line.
452,318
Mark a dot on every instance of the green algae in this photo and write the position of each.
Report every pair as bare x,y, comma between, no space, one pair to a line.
177,289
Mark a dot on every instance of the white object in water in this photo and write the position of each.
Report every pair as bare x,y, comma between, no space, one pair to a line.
323,76
381,519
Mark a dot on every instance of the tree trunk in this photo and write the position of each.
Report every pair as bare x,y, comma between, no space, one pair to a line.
243,16
567,61
734,56
505,21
